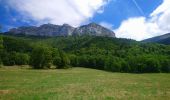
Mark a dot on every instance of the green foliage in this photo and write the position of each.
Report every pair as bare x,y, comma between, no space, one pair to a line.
1,42
144,63
61,61
0,62
111,54
165,65
113,64
73,60
8,58
15,44
14,58
1,50
41,57
21,59
96,62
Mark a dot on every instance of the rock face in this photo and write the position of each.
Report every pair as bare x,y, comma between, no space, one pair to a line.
44,30
93,29
64,30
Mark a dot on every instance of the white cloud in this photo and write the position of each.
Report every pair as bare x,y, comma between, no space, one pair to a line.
140,28
73,12
162,8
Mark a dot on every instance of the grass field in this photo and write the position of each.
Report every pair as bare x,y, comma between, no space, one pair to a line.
81,84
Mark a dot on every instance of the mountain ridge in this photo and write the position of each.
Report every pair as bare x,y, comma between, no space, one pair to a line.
164,39
51,30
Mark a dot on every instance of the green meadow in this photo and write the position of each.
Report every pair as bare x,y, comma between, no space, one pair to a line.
24,83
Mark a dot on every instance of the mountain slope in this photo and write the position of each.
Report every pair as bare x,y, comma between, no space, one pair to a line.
164,39
91,29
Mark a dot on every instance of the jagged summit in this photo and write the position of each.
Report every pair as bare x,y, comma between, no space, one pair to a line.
64,30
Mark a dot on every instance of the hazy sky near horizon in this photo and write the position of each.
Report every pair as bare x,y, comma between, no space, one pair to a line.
134,19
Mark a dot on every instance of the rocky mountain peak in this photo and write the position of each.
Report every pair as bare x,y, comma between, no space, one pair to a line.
67,25
93,29
64,30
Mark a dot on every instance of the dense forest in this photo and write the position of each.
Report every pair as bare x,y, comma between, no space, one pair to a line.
104,53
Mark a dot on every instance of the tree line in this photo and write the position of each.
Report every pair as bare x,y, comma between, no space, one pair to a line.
115,55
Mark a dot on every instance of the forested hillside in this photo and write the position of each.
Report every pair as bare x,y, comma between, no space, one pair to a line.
105,53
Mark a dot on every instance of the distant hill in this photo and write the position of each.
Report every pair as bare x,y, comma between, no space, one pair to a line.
51,30
163,39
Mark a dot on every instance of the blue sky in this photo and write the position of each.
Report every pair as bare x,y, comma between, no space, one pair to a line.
135,19
117,11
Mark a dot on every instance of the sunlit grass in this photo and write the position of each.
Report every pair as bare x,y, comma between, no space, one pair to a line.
18,83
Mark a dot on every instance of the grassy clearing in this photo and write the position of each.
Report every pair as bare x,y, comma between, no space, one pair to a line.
81,84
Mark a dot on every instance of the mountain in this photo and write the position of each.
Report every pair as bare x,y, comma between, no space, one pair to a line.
163,39
91,29
44,30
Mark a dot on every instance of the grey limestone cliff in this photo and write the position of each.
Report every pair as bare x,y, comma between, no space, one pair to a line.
64,30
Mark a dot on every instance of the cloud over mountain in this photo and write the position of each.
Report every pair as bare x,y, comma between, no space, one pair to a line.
73,12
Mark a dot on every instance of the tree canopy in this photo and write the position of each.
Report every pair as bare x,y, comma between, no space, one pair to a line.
104,53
